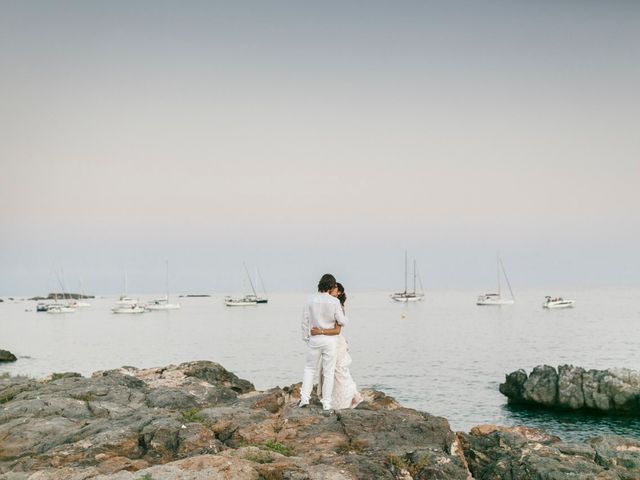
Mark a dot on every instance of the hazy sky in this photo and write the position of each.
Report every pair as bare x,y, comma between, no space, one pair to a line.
303,138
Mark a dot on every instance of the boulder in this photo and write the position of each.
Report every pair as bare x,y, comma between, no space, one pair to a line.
614,391
7,356
520,453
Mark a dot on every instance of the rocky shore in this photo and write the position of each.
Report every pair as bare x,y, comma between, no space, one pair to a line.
614,391
7,356
200,421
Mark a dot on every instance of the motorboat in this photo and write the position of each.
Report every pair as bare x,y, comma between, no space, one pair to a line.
126,304
128,308
42,307
557,302
407,296
496,298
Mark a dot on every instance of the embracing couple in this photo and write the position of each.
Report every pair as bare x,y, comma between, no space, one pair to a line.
322,320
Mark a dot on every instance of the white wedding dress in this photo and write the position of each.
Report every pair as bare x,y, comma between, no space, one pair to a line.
345,392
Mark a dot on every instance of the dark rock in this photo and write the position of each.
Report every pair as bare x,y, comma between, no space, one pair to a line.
6,356
521,453
615,391
63,296
197,420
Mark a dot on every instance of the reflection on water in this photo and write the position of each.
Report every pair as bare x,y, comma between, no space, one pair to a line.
573,425
444,355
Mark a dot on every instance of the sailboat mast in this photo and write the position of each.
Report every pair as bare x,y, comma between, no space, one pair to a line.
250,281
405,271
166,263
414,276
498,271
507,279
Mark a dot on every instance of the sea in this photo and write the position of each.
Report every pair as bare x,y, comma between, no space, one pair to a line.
444,355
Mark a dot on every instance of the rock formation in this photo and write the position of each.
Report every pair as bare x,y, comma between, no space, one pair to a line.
607,391
199,421
6,356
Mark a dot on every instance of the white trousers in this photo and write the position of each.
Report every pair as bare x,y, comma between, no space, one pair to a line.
320,352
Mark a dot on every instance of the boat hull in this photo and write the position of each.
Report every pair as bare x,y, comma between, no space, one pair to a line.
493,299
406,298
57,310
125,310
555,305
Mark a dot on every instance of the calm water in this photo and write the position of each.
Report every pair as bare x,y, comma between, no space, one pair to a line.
445,355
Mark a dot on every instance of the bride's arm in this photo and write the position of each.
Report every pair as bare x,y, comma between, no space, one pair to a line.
327,331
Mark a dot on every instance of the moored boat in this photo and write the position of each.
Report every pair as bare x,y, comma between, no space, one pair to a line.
557,302
407,296
245,301
496,298
60,308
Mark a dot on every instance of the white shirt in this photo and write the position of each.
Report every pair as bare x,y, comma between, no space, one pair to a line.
322,311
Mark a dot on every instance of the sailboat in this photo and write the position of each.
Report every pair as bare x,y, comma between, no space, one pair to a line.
408,296
163,303
496,298
125,303
61,307
79,302
249,298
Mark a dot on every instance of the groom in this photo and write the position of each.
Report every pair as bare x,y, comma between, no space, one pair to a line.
322,310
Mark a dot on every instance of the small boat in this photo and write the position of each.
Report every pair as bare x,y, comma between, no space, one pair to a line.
408,296
496,298
60,308
163,303
557,302
79,304
128,308
249,298
42,307
245,301
126,304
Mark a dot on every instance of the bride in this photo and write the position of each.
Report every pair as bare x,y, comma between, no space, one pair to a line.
345,393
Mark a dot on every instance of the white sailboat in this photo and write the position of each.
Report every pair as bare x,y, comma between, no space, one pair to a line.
58,307
163,303
408,296
249,298
496,298
125,303
80,302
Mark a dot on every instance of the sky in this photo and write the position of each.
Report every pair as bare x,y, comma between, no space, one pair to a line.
302,138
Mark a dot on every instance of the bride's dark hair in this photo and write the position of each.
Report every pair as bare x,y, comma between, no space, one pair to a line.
343,296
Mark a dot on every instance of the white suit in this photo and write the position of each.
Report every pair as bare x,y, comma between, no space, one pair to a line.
323,311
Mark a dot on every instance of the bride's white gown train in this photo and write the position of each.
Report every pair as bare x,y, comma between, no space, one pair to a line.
345,392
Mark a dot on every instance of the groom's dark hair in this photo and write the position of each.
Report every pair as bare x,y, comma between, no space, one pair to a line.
326,283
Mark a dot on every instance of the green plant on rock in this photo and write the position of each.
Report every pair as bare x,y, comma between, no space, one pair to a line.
7,396
146,476
353,445
278,448
57,376
192,416
259,457
85,397
396,463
